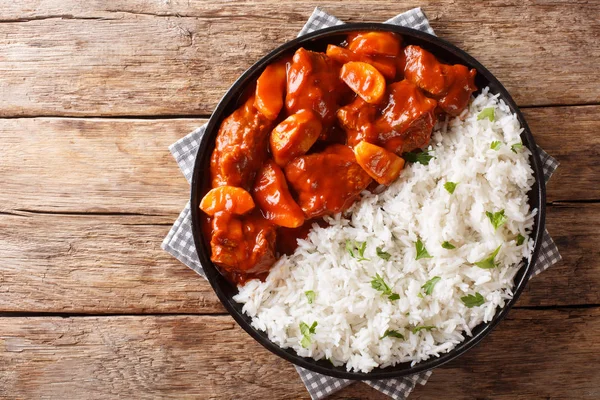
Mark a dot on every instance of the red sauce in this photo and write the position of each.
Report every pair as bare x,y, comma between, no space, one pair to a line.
312,136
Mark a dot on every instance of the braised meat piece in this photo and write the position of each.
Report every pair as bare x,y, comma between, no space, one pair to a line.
407,120
327,182
460,84
357,119
241,147
274,199
242,246
313,84
451,85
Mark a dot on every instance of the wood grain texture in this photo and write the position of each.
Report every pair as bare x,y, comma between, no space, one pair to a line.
137,57
531,355
110,264
124,166
92,165
96,265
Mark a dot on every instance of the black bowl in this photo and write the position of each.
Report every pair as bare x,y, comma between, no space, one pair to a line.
318,41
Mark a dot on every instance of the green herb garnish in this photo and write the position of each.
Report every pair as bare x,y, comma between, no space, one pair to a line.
357,250
447,245
392,333
421,328
379,284
450,186
516,146
428,286
421,250
473,301
497,218
383,254
487,113
489,263
496,145
422,158
520,239
306,332
310,296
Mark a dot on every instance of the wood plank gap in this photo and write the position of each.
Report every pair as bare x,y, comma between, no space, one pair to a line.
561,307
27,314
111,117
559,203
60,16
84,213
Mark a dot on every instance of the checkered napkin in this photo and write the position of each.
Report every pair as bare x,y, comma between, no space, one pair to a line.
180,243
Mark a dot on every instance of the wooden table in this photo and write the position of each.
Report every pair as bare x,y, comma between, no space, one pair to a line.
92,94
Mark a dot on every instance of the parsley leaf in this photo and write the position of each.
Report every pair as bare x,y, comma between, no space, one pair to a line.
420,328
422,158
383,254
421,250
496,145
359,248
379,284
520,239
306,331
392,333
487,113
450,186
497,219
473,301
428,286
310,296
305,342
447,245
349,247
516,146
489,263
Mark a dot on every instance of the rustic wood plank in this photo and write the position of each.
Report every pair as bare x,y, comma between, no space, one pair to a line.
96,265
545,354
134,57
92,165
124,166
114,264
569,134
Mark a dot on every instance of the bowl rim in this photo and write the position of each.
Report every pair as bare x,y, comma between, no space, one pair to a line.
212,275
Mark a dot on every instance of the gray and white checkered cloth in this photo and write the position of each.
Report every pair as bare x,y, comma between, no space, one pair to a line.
180,243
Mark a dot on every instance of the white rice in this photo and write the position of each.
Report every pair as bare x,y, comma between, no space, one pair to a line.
352,316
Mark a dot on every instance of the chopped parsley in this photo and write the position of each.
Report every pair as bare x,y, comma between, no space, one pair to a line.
496,145
383,254
416,329
487,113
497,219
421,250
516,146
448,246
422,158
357,249
310,296
428,286
379,284
450,186
473,300
306,332
490,262
392,333
520,239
